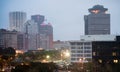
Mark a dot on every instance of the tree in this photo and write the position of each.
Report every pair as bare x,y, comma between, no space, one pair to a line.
8,53
40,56
6,56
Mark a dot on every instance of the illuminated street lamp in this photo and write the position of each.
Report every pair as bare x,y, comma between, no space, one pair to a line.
67,53
47,56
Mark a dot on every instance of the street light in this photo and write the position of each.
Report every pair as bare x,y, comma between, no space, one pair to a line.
67,53
47,56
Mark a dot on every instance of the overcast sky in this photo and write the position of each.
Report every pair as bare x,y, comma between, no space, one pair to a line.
66,16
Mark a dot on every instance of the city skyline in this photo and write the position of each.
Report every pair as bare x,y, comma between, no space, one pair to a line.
66,17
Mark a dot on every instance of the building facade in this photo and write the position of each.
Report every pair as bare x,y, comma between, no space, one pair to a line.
46,34
12,39
106,55
39,19
17,20
81,50
106,52
8,38
98,21
31,32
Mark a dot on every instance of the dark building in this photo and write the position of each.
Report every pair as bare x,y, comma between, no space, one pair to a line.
107,53
98,21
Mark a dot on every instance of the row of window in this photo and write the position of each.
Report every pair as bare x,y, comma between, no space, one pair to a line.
113,53
81,55
80,47
80,43
81,51
114,61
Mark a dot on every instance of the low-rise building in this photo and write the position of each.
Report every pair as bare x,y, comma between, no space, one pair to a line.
81,50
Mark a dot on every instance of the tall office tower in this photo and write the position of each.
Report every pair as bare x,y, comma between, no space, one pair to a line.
17,20
98,21
31,31
46,35
39,19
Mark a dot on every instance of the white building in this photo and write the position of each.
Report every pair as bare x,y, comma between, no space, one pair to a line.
17,20
81,50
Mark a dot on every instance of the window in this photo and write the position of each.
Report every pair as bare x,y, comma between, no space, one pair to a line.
80,55
87,55
72,43
73,51
79,48
87,47
100,61
73,59
94,53
79,51
115,61
73,55
87,43
87,51
72,47
114,54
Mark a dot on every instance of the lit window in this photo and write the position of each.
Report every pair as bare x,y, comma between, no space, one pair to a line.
100,61
114,53
94,53
96,11
115,61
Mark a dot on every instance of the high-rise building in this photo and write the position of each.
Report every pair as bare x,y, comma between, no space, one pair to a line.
39,19
31,31
46,35
38,39
98,21
44,32
17,20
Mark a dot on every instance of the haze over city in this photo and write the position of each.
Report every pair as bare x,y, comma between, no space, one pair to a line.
66,16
